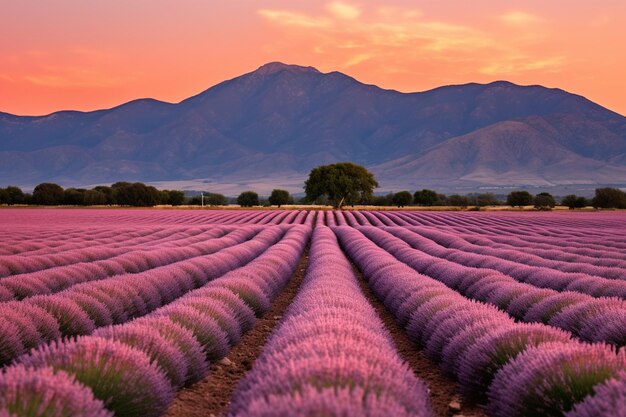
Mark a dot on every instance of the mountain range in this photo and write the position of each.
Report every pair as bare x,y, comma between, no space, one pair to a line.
268,128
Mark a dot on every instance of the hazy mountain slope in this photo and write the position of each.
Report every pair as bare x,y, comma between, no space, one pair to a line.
283,120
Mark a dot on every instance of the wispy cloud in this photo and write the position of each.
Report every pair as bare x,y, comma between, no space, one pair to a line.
287,18
344,10
395,39
519,64
520,18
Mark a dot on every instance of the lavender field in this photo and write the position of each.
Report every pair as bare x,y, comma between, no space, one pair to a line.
116,312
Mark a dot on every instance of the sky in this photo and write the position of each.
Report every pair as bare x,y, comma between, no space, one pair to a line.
86,55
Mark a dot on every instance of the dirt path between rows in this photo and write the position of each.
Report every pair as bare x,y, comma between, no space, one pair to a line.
211,396
443,390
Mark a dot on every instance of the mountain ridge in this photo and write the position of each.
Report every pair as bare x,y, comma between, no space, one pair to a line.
303,118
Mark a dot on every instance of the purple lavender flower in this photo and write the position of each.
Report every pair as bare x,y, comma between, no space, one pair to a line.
121,376
46,392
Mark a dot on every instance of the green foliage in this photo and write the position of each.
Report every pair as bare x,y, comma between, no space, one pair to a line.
457,200
402,198
486,199
172,197
381,200
428,198
48,194
544,201
74,196
136,194
11,195
342,183
108,192
519,198
214,199
248,199
94,198
576,202
609,198
280,197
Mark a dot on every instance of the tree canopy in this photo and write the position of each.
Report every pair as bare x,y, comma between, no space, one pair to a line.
609,198
402,198
544,201
280,197
341,183
573,201
427,197
248,199
48,194
519,198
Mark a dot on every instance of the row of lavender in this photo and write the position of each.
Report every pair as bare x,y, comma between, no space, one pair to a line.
81,308
589,318
133,369
51,280
561,261
23,219
331,354
519,369
63,240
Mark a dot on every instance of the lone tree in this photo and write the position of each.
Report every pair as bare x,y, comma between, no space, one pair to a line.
544,201
248,199
426,197
519,198
402,198
342,183
280,197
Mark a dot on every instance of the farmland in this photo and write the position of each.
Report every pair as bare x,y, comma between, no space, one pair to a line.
334,313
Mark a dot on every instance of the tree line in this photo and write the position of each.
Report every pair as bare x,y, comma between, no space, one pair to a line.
339,184
345,183
121,193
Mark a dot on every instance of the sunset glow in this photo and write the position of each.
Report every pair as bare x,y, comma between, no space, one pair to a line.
72,54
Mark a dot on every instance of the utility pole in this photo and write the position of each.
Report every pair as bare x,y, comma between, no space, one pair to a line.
202,197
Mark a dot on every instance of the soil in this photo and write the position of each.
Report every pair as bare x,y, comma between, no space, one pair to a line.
443,390
211,396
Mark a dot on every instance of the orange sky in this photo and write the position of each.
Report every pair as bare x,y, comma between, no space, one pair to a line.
85,55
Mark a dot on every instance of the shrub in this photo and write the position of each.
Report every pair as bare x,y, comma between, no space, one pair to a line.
211,337
45,392
161,350
609,399
197,366
11,345
218,311
121,376
243,312
480,362
549,379
73,321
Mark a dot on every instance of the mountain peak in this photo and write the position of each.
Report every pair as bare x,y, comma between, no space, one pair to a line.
274,67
